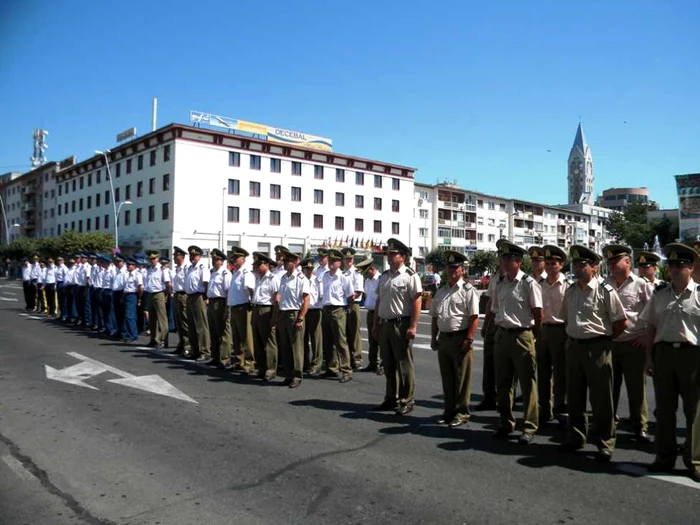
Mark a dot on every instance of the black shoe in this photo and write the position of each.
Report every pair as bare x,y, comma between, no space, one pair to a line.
525,438
659,468
486,404
177,352
380,371
404,410
369,368
345,379
387,406
315,375
457,422
151,344
569,446
200,358
356,366
544,419
286,382
642,437
445,419
694,474
296,382
603,456
617,420
268,377
501,433
213,362
331,375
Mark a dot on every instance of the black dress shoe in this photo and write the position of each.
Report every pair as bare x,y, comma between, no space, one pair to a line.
213,362
315,375
694,474
569,446
525,438
177,352
387,406
658,467
345,379
369,368
404,410
200,358
642,437
603,456
331,375
445,419
457,422
296,382
486,404
501,433
380,371
286,382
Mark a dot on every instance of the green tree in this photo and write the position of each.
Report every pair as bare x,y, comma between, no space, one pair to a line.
482,262
631,227
526,266
436,257
66,244
20,248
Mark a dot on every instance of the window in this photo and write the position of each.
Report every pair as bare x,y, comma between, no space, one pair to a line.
359,201
377,204
492,222
59,229
318,221
72,207
492,205
234,159
422,232
255,165
116,195
359,178
275,191
318,172
296,194
359,225
480,203
339,199
254,216
127,192
139,189
89,202
139,162
424,214
97,200
296,168
377,226
72,225
255,190
151,213
339,175
274,218
395,228
89,179
395,204
275,165
296,220
152,159
88,224
98,178
151,185
165,211
502,207
106,222
139,216
60,191
492,237
233,214
166,182
395,184
128,166
480,237
82,182
80,225
340,223
74,188
127,217
166,153
234,187
52,213
318,196
97,223
377,181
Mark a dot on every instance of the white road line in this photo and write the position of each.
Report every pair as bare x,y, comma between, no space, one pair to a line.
19,469
641,471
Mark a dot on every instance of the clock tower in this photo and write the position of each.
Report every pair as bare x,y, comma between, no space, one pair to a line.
580,170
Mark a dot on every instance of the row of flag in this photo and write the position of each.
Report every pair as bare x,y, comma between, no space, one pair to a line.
352,242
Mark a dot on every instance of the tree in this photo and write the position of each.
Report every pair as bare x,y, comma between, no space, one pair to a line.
436,257
631,227
67,244
483,262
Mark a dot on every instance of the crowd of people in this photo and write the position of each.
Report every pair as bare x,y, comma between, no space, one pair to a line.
562,340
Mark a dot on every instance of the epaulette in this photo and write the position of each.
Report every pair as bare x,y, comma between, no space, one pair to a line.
529,279
410,271
698,288
661,286
570,282
607,287
646,279
385,272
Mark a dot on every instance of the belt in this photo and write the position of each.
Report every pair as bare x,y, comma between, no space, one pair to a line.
262,306
290,312
332,307
217,299
591,339
677,345
515,329
242,305
180,293
395,319
453,334
154,293
196,293
554,324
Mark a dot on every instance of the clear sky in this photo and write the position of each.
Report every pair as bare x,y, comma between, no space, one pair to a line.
472,91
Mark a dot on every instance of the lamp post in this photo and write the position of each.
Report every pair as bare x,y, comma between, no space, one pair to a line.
116,222
114,203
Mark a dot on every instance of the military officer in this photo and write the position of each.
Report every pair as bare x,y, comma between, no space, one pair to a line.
196,281
488,332
321,271
673,360
518,308
455,317
157,284
179,296
646,263
106,302
353,317
280,252
338,294
118,284
536,254
50,286
217,311
132,296
371,286
239,296
69,281
35,273
293,300
551,343
313,342
594,315
61,270
264,316
395,323
322,263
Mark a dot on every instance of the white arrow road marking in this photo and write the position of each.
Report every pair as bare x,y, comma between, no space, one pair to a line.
76,374
640,470
8,299
155,384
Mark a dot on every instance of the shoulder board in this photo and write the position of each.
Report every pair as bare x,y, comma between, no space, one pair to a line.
607,287
410,271
529,279
698,288
661,286
570,282
646,279
467,286
385,272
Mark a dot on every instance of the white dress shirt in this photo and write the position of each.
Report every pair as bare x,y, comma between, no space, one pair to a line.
50,277
265,289
219,283
371,291
292,291
156,278
336,289
195,279
178,275
132,281
315,293
119,280
61,271
242,283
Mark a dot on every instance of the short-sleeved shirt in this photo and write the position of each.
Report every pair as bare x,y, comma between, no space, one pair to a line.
119,280
491,289
592,310
371,291
542,278
132,281
242,281
676,317
195,278
219,283
454,306
292,291
36,270
108,277
336,289
50,277
177,277
26,273
634,292
553,299
266,287
69,278
397,293
514,301
156,278
315,293
96,277
321,271
356,279
61,271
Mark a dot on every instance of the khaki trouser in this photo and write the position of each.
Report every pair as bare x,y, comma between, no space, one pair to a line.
219,330
514,354
551,364
264,341
353,334
629,363
374,359
180,302
397,358
338,355
198,325
242,337
677,373
456,373
488,380
313,341
291,344
157,317
589,365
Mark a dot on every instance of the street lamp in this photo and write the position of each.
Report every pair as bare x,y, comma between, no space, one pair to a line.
111,189
116,222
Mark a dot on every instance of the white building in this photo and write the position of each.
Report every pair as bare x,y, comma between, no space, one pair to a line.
213,189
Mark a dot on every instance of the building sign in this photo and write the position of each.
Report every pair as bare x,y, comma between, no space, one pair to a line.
131,132
688,188
270,133
67,162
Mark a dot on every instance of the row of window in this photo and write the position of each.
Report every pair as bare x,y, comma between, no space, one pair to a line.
234,215
126,218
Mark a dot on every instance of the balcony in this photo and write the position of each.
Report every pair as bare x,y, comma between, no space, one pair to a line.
29,206
470,225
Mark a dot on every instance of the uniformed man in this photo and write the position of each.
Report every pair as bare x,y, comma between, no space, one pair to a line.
264,317
396,321
536,254
35,273
455,318
280,252
217,311
132,296
338,294
196,281
69,289
157,284
488,332
673,360
179,296
551,343
322,263
27,284
646,263
594,315
82,291
92,303
293,300
108,315
313,341
61,270
628,354
353,317
518,308
169,308
239,296
371,286
50,287
118,284
326,334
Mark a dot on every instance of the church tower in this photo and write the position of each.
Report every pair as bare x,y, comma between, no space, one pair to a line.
580,170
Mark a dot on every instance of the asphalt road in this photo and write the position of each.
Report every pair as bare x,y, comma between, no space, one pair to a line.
239,452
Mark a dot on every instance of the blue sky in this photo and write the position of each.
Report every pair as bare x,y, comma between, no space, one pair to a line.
476,92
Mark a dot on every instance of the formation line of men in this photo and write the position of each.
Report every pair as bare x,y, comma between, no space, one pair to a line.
561,340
